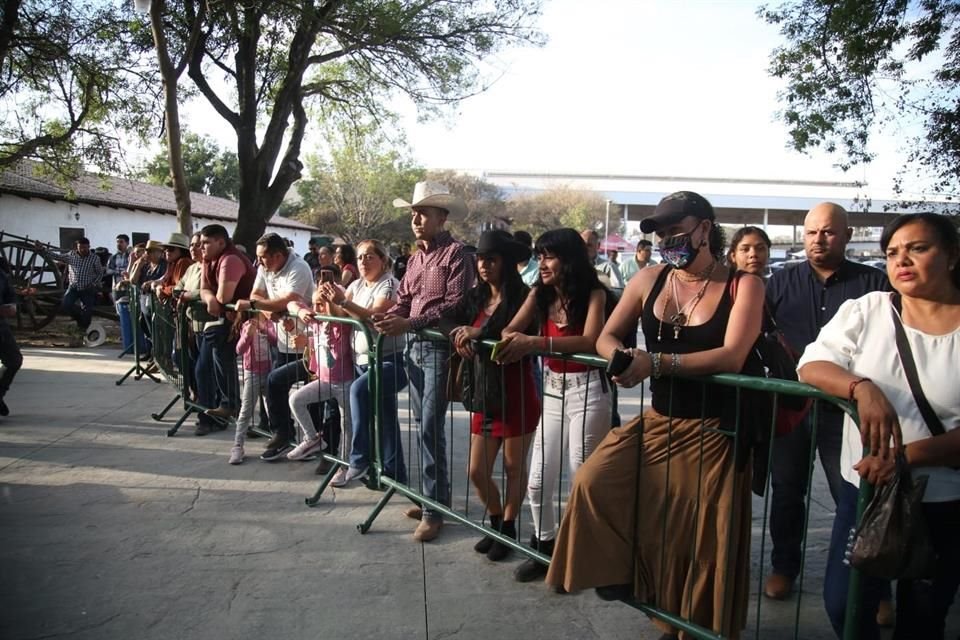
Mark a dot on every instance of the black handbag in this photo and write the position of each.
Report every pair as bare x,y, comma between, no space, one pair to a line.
892,540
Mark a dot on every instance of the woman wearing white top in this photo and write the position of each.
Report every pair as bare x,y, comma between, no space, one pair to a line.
374,291
854,357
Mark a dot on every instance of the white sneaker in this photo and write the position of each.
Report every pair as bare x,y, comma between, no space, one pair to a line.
340,478
305,448
353,473
236,455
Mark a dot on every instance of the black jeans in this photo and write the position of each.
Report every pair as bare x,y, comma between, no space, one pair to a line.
790,472
10,357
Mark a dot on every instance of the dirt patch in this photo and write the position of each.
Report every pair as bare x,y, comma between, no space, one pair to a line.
62,332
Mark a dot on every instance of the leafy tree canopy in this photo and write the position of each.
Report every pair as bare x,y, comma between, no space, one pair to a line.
560,207
853,65
352,186
73,76
262,64
209,168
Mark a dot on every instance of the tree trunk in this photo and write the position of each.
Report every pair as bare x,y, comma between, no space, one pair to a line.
172,119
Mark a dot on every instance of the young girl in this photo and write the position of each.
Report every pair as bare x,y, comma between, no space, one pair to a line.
484,312
568,303
331,360
257,334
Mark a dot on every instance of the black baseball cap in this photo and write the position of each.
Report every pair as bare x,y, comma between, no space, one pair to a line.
675,207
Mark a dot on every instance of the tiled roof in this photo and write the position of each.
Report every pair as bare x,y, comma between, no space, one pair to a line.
25,180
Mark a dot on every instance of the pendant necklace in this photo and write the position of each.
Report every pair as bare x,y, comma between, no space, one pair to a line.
682,315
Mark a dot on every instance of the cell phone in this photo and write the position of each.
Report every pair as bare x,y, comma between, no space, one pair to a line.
496,347
326,276
619,362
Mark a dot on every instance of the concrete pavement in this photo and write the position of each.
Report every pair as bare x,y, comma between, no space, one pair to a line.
112,530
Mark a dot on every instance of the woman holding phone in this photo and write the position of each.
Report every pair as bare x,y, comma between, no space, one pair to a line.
566,308
661,511
496,421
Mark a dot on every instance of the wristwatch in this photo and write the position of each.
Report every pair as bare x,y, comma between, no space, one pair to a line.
253,305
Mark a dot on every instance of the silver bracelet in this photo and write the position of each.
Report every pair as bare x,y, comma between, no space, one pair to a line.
674,364
655,360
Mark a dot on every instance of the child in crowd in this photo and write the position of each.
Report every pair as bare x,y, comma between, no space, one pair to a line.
330,359
257,334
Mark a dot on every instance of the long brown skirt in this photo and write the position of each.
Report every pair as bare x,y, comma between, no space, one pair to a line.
671,517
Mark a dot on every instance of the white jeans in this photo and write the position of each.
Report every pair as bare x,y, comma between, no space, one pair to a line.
321,391
578,421
254,385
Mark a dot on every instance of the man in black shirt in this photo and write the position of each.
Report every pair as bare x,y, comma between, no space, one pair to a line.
802,299
10,356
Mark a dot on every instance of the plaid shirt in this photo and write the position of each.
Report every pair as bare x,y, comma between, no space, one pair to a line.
435,281
83,272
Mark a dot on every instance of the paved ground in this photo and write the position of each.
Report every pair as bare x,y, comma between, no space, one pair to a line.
112,530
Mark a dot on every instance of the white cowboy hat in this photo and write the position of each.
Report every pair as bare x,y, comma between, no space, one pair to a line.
434,194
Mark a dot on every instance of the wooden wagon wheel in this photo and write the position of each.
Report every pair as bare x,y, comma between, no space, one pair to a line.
38,281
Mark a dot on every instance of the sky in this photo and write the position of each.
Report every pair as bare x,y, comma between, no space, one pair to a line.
637,87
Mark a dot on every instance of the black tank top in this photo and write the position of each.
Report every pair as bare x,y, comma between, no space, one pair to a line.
689,399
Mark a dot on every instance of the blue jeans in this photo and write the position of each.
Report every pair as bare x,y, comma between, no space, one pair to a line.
837,578
87,298
218,350
427,370
393,379
790,473
289,369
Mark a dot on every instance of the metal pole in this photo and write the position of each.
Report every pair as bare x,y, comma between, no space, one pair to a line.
606,231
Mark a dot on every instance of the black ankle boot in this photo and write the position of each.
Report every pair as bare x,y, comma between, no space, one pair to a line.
483,544
530,569
498,551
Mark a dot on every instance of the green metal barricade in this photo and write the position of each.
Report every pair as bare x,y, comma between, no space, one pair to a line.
760,621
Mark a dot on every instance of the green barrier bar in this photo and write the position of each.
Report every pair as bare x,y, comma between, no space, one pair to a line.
138,370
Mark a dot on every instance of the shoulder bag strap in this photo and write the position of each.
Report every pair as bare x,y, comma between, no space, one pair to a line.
910,369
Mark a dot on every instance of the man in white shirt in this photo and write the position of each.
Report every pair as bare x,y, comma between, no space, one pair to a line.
282,277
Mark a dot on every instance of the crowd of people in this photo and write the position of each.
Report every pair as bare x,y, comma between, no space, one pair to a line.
673,469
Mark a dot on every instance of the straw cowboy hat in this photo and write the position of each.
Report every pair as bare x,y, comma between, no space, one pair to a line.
434,194
153,244
179,240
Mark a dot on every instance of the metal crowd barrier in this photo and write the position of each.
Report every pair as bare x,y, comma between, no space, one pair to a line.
171,356
462,505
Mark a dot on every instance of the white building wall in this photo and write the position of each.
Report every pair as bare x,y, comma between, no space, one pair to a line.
43,219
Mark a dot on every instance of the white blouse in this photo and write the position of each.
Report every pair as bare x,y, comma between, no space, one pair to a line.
861,338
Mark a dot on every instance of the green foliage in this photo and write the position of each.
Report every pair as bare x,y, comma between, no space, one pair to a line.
854,65
560,207
485,203
281,59
209,168
352,186
73,76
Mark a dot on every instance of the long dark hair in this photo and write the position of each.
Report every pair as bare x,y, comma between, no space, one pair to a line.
742,233
578,277
512,290
943,227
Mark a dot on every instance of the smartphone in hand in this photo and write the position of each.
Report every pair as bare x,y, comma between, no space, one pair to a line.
619,362
496,347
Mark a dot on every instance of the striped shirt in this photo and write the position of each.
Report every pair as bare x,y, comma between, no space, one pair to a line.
83,271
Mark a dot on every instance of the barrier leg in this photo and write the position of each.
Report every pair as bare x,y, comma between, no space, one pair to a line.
172,431
364,526
314,500
159,416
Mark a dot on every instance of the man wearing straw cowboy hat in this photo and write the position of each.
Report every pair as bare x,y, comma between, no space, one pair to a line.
437,276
